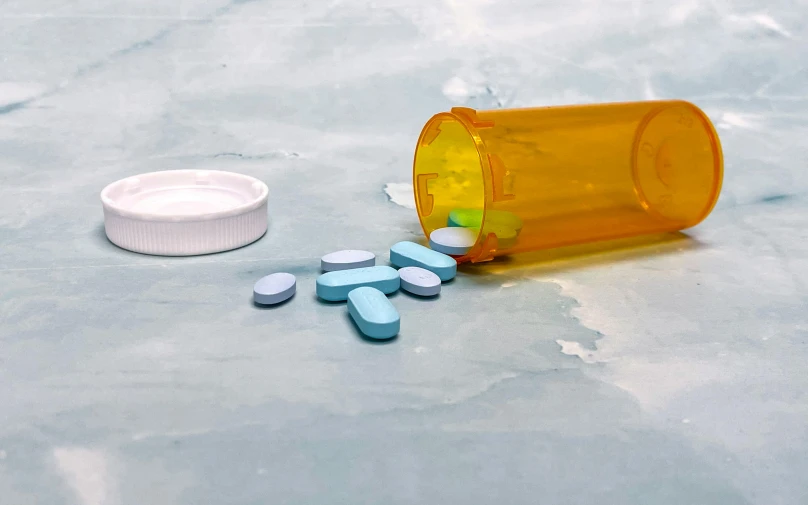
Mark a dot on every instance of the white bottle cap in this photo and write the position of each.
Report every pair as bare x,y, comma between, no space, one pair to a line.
185,212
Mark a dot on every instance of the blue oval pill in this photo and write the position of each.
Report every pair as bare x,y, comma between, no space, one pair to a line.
410,254
373,313
274,288
335,286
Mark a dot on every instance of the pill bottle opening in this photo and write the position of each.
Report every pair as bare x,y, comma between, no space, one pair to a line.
448,175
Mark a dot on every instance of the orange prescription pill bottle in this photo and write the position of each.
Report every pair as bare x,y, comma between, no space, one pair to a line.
529,179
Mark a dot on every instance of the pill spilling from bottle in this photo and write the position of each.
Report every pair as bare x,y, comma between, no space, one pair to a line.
352,275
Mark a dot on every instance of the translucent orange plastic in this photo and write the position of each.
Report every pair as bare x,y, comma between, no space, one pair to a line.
532,179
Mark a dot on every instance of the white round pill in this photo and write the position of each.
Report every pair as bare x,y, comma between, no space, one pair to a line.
419,281
453,240
274,288
347,260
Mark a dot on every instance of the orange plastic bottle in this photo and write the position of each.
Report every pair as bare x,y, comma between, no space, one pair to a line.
531,179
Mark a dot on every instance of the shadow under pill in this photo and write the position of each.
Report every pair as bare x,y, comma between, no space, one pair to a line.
421,298
261,306
328,302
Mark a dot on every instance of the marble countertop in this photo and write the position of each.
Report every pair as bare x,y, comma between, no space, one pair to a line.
666,374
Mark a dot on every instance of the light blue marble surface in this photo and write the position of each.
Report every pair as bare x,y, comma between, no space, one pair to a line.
672,374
